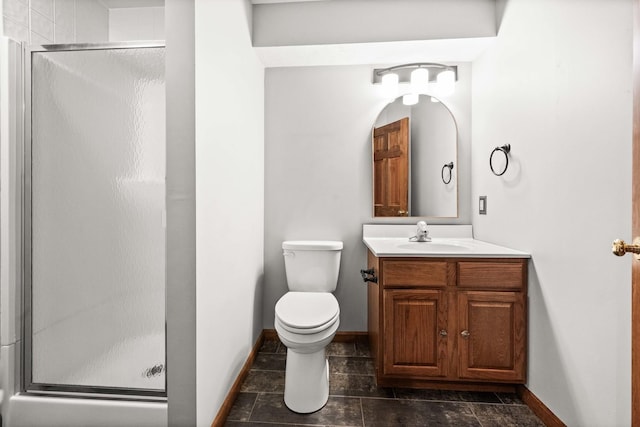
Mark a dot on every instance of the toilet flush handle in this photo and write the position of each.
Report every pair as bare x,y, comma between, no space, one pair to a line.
288,253
369,275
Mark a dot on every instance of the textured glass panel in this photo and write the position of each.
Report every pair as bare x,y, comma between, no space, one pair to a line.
98,200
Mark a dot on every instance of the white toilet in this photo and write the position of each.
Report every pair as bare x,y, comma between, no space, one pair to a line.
307,318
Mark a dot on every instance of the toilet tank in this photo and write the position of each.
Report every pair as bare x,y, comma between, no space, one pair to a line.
312,265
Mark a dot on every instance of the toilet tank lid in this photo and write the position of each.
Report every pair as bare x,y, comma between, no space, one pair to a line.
312,245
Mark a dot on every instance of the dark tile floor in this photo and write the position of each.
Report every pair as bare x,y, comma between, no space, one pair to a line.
354,399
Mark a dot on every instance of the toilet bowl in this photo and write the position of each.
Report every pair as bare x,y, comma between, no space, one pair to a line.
306,322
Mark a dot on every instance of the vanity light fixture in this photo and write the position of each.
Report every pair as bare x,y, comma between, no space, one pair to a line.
446,83
410,98
420,77
390,85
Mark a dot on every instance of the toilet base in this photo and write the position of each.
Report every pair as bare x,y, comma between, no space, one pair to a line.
306,386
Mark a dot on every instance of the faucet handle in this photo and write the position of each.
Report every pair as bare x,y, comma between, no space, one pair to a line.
422,234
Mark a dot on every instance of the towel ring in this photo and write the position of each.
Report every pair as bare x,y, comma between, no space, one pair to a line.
446,166
504,149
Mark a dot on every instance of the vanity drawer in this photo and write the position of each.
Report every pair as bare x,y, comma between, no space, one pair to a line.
399,273
492,275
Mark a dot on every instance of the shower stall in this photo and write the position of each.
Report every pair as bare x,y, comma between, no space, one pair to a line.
83,231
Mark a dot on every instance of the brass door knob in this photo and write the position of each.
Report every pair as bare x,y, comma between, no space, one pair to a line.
402,212
620,248
465,334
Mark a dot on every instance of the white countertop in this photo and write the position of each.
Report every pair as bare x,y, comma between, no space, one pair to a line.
447,241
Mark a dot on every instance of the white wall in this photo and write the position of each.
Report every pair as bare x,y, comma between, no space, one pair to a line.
181,213
557,86
230,198
318,178
91,21
11,135
55,21
366,21
136,23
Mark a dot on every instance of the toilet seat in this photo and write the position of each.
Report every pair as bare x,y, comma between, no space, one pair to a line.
308,331
307,312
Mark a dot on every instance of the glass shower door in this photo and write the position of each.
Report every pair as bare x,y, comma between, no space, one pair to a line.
95,212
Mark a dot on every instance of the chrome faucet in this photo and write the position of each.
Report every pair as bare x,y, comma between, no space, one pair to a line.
422,234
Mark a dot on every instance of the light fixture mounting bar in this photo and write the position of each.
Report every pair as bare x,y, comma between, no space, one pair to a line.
404,71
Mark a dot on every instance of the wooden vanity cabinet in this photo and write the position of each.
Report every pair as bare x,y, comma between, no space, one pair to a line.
413,321
448,320
492,341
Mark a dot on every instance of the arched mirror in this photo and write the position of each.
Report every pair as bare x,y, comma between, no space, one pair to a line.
415,160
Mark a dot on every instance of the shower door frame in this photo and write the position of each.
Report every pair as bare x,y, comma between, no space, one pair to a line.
26,361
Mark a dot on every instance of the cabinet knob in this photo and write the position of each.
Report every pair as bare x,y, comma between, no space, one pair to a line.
465,334
443,333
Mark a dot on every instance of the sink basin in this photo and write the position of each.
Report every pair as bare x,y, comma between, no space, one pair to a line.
433,247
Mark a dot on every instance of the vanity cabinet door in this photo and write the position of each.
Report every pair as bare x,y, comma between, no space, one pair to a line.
492,336
416,339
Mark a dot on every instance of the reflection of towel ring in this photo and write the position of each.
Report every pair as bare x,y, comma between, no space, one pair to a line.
446,166
505,150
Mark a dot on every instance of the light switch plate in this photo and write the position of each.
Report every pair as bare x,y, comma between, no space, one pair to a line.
482,205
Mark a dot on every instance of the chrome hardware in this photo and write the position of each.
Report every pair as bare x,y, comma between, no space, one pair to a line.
422,234
443,333
465,334
369,275
620,248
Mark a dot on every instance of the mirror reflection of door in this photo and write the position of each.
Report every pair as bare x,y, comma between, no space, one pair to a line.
391,169
433,142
